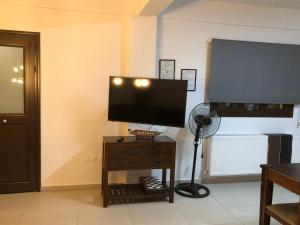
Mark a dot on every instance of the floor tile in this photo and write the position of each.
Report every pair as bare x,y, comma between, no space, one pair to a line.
205,211
14,202
49,216
102,216
228,204
156,213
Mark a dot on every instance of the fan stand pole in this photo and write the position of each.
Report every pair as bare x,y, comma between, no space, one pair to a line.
193,190
194,162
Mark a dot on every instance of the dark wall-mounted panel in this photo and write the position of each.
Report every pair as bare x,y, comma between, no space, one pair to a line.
254,72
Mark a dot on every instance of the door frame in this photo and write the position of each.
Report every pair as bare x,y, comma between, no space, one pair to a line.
37,112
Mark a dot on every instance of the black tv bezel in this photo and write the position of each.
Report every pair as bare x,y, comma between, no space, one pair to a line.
143,122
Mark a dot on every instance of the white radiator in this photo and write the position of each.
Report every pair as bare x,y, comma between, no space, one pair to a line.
236,154
296,149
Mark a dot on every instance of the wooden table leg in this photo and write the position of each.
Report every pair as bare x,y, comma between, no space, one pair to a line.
266,194
172,179
104,187
164,177
102,181
299,211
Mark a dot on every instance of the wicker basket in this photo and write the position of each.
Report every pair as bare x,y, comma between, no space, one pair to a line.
144,134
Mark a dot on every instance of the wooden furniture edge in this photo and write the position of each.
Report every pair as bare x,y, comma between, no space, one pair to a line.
284,181
282,211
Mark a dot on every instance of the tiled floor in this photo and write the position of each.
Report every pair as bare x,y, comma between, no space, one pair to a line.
230,204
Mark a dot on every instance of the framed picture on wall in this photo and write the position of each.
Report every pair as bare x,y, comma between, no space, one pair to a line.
167,69
190,75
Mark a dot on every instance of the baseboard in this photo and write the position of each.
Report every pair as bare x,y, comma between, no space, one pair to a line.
230,179
71,187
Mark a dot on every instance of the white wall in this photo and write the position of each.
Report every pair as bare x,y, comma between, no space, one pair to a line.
79,50
185,33
143,37
76,63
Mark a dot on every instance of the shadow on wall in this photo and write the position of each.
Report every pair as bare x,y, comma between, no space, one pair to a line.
70,173
177,4
182,156
184,152
90,198
72,150
82,169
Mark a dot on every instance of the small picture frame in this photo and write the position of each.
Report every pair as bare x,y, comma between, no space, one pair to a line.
190,75
167,69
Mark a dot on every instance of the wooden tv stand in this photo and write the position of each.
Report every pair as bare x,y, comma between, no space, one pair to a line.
131,154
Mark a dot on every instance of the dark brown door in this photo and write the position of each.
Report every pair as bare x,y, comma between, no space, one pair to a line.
19,112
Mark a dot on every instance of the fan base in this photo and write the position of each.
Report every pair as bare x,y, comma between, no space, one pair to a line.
192,190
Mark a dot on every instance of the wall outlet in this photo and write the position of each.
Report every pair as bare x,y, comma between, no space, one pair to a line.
205,172
87,159
93,158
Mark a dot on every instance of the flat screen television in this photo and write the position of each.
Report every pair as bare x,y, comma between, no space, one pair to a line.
147,101
254,72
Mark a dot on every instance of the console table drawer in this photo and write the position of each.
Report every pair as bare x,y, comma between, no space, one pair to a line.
127,150
160,151
156,163
124,164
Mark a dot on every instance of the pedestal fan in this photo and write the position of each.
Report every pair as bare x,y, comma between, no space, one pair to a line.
203,124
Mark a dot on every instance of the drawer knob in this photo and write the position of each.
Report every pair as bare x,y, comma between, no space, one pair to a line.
4,121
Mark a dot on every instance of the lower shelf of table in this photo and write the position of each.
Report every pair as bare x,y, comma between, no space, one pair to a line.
127,193
285,213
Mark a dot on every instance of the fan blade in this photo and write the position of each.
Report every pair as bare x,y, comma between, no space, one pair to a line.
199,119
208,120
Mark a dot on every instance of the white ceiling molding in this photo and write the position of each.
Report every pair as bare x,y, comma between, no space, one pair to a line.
153,7
287,4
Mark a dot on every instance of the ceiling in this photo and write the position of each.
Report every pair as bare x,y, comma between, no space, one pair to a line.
288,4
132,7
120,7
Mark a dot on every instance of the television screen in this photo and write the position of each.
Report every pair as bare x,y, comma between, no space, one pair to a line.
254,72
147,101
